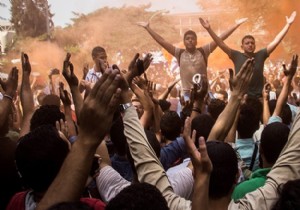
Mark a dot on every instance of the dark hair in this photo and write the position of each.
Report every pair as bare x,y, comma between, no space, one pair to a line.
44,115
189,32
273,139
225,168
170,125
51,99
151,137
70,206
97,50
138,196
286,113
203,124
164,105
247,37
289,196
250,114
39,156
216,107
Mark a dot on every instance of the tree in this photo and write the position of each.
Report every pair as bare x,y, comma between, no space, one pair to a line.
31,17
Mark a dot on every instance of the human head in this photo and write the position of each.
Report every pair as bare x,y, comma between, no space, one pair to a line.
47,114
99,53
51,99
248,44
190,40
203,124
170,125
289,196
286,113
273,139
138,196
225,169
164,105
250,114
216,107
39,156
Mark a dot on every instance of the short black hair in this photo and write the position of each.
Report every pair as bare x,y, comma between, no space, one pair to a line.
289,196
203,124
247,37
164,105
170,125
286,113
273,139
39,156
117,135
216,107
47,114
249,118
190,32
97,50
225,168
138,196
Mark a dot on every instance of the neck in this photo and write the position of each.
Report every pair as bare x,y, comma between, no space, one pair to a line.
191,50
249,54
220,204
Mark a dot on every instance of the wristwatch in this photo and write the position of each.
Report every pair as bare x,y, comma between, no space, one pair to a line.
123,107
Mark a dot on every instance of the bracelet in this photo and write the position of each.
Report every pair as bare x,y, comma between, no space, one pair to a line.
196,109
8,96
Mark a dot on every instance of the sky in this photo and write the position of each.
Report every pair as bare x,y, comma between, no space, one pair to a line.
63,8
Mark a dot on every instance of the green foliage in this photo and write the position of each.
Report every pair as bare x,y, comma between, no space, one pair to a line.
31,17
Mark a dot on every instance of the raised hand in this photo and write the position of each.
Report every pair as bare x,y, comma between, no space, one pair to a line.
240,82
241,21
85,70
291,19
200,90
64,95
204,23
68,71
266,91
143,24
292,69
12,82
200,159
26,67
97,111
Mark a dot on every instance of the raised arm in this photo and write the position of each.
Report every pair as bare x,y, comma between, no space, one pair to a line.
10,87
26,95
266,108
161,41
68,73
95,120
239,84
289,21
227,33
214,36
282,99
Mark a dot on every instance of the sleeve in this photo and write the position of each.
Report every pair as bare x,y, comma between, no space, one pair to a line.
110,183
172,152
182,182
286,168
178,52
207,50
147,164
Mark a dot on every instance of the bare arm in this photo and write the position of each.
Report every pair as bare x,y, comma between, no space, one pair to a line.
289,21
227,33
26,95
266,109
161,41
68,73
95,120
239,84
166,93
214,36
202,167
286,85
10,89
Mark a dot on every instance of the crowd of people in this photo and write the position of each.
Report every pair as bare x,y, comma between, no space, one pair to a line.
111,140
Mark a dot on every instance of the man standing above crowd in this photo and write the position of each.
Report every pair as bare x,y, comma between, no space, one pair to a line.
248,47
192,60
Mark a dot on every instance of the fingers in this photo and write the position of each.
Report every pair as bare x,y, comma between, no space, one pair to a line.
99,82
108,88
133,61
